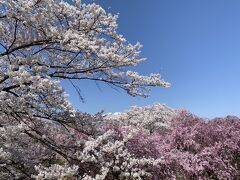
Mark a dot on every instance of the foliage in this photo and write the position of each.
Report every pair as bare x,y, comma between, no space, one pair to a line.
152,118
43,137
43,42
201,149
56,151
192,148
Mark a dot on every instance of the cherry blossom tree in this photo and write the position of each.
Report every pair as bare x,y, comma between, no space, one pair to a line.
52,151
43,137
43,42
199,148
152,118
53,39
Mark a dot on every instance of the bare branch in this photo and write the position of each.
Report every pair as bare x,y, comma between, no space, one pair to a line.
14,35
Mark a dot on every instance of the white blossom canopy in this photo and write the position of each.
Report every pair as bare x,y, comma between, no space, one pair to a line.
52,38
152,118
41,43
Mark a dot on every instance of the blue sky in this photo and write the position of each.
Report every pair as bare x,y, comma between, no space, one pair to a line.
195,45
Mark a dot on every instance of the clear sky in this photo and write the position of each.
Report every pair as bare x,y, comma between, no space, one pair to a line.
195,45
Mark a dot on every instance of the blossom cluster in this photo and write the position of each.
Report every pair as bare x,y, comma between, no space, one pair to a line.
41,43
93,147
43,137
152,118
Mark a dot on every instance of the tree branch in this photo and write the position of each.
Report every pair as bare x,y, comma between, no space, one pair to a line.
14,36
35,43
